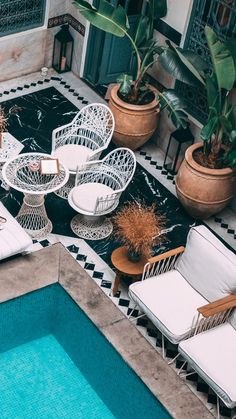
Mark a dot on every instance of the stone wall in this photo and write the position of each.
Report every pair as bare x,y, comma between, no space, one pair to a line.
24,53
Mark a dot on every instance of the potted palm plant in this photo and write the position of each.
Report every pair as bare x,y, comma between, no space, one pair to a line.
134,103
206,179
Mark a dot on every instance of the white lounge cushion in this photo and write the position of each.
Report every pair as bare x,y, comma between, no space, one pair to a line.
169,302
85,195
208,265
212,355
72,155
13,239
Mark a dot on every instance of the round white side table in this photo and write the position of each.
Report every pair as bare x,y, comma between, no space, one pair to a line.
23,174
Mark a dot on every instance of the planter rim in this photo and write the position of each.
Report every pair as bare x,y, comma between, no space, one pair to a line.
122,103
190,160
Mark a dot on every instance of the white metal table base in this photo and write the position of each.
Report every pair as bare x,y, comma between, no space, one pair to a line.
91,227
33,216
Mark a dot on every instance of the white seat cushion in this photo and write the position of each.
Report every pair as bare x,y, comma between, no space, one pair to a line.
169,302
13,239
85,196
208,265
212,355
72,155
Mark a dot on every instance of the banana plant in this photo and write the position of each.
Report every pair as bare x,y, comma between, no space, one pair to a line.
146,51
218,83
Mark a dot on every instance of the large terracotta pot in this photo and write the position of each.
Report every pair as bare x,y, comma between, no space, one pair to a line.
134,124
202,191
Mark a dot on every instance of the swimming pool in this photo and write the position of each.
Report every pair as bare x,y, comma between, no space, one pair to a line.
55,363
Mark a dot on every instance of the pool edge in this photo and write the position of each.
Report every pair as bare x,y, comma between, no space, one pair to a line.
16,280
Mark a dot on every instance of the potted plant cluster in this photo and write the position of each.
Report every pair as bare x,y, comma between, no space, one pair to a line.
139,228
206,179
134,103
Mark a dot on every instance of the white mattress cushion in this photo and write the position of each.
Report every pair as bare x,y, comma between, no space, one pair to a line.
72,155
208,265
13,239
170,303
85,196
212,355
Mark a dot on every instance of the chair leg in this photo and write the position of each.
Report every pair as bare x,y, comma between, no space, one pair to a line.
218,407
130,314
188,374
163,346
181,368
174,359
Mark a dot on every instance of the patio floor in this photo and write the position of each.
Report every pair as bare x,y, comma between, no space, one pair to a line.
159,185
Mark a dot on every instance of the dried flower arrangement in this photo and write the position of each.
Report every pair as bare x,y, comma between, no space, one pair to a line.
139,227
3,123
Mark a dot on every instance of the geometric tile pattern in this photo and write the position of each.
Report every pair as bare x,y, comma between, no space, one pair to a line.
42,83
67,18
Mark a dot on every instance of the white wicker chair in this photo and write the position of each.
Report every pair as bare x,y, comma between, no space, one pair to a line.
99,185
82,140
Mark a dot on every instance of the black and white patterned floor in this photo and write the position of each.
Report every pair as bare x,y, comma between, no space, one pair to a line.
46,103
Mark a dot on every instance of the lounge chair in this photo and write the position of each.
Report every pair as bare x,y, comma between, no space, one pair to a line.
212,353
176,283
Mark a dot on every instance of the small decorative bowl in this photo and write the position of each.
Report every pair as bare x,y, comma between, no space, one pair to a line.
33,166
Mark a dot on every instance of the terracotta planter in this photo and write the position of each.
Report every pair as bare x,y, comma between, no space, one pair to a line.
134,124
202,191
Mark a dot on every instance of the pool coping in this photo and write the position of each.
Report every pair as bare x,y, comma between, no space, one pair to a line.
54,264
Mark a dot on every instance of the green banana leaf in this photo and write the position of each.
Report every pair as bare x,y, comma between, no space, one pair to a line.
172,63
187,63
194,59
140,34
222,60
231,45
158,8
225,123
106,17
232,138
209,129
213,94
175,107
148,56
125,81
231,159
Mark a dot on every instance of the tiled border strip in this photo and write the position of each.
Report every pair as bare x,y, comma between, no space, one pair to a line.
45,81
67,18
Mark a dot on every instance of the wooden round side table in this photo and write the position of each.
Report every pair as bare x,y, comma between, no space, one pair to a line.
123,265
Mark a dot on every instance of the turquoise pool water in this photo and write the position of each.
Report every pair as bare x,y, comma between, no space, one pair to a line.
54,363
